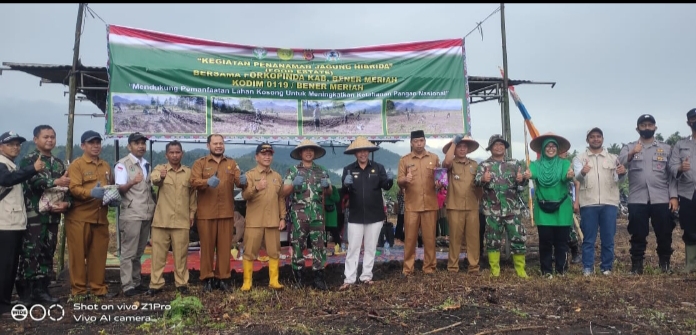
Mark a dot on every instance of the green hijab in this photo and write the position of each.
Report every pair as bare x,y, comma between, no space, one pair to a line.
550,169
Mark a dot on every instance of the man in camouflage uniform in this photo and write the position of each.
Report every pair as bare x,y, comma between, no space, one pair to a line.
39,241
305,184
500,178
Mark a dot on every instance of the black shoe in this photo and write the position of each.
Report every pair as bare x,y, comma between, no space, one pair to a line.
223,286
152,292
111,295
208,285
319,280
182,289
577,259
142,288
130,293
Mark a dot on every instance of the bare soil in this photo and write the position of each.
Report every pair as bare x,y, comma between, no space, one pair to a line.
443,303
177,122
367,124
430,122
281,124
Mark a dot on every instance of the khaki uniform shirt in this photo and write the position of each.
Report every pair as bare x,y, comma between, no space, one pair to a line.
462,194
420,193
215,203
176,199
265,208
84,174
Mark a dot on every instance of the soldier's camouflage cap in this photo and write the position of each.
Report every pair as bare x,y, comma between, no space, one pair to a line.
497,138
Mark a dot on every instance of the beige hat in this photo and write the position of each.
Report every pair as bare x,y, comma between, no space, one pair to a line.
319,152
563,144
470,142
360,143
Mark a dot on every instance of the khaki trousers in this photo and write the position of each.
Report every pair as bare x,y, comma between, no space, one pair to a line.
87,247
215,241
162,238
427,222
254,237
463,227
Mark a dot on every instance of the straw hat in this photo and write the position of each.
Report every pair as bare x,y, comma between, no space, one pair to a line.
360,143
470,142
563,144
319,152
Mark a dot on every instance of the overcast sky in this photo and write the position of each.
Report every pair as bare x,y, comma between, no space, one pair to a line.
611,63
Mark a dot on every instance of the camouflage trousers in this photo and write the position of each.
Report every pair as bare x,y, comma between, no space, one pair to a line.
298,239
516,234
38,247
573,238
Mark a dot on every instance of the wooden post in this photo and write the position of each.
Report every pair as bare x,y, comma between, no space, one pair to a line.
71,118
505,117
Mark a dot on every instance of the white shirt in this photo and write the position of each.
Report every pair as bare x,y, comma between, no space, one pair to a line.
121,175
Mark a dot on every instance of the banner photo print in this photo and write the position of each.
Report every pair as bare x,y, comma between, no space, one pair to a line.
169,86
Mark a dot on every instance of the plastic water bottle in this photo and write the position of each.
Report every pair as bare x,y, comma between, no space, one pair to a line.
386,248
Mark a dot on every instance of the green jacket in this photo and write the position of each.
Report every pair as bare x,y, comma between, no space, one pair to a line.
332,216
563,217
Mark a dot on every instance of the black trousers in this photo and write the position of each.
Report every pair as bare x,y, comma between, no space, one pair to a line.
553,244
335,235
10,247
399,233
639,218
387,234
687,219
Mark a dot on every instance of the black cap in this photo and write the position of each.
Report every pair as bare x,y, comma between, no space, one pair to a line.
264,147
10,136
597,130
135,137
646,117
90,135
417,134
691,114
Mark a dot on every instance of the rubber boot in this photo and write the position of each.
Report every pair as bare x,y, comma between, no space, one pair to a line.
273,274
248,267
494,261
519,261
690,259
636,266
319,283
24,292
297,274
39,294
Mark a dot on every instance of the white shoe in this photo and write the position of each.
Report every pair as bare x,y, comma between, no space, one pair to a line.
606,272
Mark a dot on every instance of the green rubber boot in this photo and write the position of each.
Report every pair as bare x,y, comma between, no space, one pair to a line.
494,261
519,261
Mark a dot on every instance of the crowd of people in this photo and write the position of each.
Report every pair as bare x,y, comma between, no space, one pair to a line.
481,202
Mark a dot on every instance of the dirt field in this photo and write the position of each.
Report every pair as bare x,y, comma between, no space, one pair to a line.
429,122
368,124
443,303
177,122
282,124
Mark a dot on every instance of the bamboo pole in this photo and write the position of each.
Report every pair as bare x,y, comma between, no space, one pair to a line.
526,155
71,119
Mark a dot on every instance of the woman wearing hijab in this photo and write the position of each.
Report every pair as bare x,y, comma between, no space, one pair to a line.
553,208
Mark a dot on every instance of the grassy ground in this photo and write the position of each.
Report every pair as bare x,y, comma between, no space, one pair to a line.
443,303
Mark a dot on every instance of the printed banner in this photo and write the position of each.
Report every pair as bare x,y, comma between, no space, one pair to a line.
169,86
